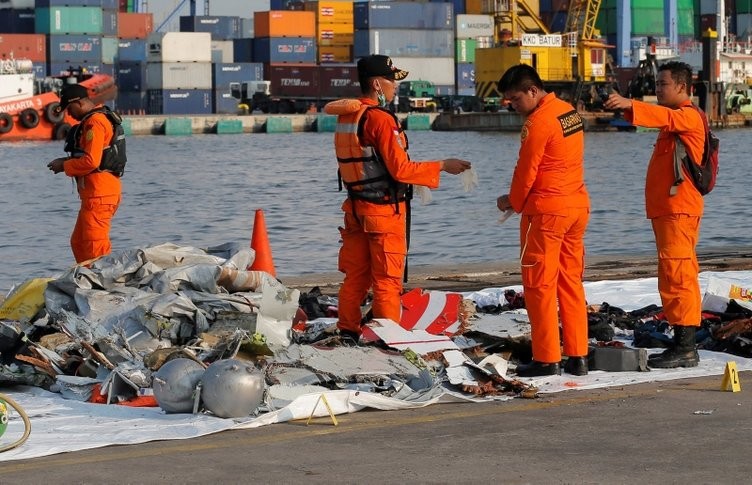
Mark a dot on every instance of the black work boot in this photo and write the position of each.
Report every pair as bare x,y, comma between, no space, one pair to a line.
535,369
577,366
682,354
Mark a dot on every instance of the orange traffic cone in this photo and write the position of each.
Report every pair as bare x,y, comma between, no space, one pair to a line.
260,244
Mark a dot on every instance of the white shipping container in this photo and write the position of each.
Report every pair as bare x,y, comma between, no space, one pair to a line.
708,6
179,47
472,26
438,70
222,51
179,75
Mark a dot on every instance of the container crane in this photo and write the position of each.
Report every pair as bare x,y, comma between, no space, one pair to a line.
573,64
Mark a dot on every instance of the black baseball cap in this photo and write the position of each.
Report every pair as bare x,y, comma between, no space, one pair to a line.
72,93
379,66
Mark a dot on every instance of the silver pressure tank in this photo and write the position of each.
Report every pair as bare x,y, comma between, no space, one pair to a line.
232,388
174,385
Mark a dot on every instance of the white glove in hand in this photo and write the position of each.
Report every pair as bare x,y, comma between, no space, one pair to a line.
469,179
424,193
506,215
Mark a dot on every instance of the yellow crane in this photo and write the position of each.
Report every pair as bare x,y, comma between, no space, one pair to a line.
573,63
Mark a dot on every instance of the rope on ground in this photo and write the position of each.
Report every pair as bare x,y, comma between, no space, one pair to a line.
27,423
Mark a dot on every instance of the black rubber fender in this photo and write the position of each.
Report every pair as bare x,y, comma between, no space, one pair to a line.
61,131
53,113
29,118
6,123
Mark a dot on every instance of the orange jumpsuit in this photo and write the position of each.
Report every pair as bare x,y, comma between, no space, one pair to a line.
675,218
99,191
374,243
548,188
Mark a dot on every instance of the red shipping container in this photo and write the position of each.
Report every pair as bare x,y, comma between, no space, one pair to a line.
339,81
135,25
284,23
23,46
293,80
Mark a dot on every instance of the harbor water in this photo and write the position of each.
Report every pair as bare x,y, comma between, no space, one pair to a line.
203,190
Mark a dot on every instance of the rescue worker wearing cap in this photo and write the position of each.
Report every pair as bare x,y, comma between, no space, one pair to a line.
548,188
674,209
377,172
98,189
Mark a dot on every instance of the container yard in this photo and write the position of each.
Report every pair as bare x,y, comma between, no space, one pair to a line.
182,57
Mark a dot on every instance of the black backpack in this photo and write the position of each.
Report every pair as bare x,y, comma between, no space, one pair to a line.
703,175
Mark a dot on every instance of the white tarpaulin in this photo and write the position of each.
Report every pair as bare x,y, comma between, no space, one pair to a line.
61,425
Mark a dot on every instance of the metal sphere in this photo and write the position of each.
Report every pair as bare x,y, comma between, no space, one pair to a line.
232,388
174,385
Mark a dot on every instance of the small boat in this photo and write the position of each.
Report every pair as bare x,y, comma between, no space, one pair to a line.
30,107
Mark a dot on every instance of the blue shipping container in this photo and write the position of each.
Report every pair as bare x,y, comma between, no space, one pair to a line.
286,5
109,23
242,50
402,15
132,50
40,69
220,27
131,76
224,103
74,48
465,75
458,6
223,74
179,101
58,68
404,43
275,50
105,4
130,102
17,21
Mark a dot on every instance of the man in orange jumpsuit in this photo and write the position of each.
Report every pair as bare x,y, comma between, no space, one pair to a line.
377,172
674,209
99,189
548,188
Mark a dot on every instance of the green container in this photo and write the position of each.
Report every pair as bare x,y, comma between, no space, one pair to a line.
685,22
68,20
326,123
466,50
606,21
686,5
418,122
743,6
278,124
648,21
229,127
645,5
127,129
178,127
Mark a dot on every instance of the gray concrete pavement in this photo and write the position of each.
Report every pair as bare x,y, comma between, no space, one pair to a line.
646,433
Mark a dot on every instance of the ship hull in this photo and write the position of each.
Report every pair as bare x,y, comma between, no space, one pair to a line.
37,118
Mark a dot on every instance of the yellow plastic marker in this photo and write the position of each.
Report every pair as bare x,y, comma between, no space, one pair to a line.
328,408
730,380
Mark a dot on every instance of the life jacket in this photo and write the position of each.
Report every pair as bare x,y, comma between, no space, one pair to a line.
360,167
113,155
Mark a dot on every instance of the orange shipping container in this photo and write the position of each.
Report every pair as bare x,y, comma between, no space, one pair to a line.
336,34
284,23
135,25
473,7
331,11
335,54
23,46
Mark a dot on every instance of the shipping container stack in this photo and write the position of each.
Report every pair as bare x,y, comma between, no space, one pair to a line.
419,37
473,31
553,13
224,31
80,34
285,41
335,31
133,30
179,73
